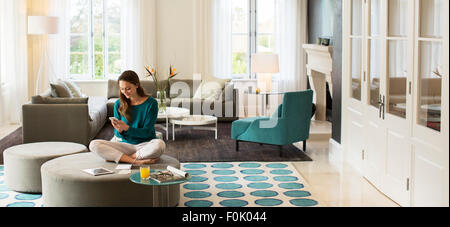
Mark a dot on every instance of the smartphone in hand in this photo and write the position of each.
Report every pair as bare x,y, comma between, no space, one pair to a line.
113,119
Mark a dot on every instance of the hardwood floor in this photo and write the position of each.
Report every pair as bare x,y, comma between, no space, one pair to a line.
337,184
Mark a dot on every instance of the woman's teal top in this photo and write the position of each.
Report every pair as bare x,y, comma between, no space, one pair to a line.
142,127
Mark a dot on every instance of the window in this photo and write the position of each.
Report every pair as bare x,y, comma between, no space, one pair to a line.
94,39
252,32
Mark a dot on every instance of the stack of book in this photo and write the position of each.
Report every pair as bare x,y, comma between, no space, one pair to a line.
169,175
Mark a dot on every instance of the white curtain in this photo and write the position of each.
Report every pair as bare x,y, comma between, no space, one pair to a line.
222,43
290,34
58,44
398,17
202,53
138,35
13,60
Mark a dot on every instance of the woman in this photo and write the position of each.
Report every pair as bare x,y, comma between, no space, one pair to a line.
136,114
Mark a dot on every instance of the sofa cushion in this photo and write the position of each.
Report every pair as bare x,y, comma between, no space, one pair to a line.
228,92
148,85
60,90
110,106
50,100
97,114
73,88
183,88
208,90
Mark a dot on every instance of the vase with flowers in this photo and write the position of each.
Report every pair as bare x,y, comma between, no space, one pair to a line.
160,86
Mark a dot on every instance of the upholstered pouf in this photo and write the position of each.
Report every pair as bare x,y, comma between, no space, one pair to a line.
23,163
64,184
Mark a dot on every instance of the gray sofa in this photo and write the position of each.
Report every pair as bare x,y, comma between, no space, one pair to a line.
79,120
181,94
76,120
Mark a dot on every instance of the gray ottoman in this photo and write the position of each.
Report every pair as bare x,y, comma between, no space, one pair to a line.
64,184
23,163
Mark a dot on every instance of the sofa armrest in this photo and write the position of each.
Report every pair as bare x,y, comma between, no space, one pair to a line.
56,122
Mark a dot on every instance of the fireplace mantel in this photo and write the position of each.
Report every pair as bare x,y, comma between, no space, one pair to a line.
319,69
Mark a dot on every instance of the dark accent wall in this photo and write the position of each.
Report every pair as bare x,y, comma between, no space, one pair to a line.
325,20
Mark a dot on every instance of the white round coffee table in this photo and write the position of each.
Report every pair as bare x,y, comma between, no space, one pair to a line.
195,122
170,113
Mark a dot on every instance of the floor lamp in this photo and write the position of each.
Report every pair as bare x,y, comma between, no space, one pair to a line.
42,25
265,65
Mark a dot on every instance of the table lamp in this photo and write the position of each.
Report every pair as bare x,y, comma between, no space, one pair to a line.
42,25
265,65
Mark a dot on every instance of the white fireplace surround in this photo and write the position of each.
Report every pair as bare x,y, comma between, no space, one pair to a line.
319,69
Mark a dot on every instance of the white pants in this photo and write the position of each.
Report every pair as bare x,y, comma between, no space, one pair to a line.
113,150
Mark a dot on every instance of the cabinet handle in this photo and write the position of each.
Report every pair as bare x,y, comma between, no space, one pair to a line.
407,184
410,85
379,106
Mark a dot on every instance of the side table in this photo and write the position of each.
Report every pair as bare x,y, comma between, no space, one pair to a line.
265,99
171,112
195,122
136,178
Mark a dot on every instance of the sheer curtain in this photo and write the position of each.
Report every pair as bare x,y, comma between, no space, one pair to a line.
212,38
58,44
13,60
138,35
222,43
202,53
290,35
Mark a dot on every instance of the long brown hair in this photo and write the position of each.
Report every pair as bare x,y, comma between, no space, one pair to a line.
125,103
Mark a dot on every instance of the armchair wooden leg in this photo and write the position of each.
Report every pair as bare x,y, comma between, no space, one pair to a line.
304,146
237,145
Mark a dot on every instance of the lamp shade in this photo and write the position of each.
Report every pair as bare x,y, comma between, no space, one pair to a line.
42,25
265,63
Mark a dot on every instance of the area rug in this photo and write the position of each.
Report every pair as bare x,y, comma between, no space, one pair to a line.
9,198
236,184
245,184
200,146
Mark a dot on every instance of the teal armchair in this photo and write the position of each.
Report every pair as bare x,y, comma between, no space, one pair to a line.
289,124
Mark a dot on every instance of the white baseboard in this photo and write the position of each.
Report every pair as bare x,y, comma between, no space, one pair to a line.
336,153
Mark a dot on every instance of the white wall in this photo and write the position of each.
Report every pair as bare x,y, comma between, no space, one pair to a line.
93,88
174,36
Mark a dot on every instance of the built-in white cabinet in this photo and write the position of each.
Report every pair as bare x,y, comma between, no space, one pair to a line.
395,97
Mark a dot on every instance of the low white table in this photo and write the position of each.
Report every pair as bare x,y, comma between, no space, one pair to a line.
195,122
171,113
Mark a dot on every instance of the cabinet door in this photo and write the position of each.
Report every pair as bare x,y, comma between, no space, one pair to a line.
430,111
375,146
398,99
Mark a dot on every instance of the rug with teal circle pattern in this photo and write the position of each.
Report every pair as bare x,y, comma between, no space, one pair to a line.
9,198
244,184
234,184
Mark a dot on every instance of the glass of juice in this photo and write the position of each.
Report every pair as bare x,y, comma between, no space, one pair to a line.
145,172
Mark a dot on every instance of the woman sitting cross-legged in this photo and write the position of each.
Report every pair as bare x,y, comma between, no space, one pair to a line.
135,139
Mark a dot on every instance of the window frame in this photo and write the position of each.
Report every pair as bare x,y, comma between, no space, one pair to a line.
90,34
253,35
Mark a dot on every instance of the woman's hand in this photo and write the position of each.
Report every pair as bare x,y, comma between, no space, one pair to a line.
120,126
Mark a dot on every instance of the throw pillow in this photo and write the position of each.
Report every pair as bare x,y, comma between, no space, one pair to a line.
209,91
74,89
60,90
228,92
